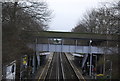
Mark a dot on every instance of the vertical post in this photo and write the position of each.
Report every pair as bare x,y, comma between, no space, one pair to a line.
34,56
104,65
110,68
62,46
111,71
95,64
1,42
90,72
42,47
95,59
38,58
37,52
75,45
90,64
33,64
48,45
55,47
36,44
69,48
106,52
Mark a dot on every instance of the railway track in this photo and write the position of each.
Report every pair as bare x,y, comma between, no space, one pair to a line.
60,69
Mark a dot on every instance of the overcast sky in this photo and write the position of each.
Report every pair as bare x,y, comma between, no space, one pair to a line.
67,13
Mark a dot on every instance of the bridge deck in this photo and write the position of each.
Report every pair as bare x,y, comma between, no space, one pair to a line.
74,35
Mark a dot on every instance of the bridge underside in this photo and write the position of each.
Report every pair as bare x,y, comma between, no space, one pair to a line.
73,48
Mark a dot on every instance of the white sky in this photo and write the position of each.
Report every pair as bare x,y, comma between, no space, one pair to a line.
67,13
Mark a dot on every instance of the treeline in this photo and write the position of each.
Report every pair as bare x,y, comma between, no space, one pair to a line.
19,21
103,20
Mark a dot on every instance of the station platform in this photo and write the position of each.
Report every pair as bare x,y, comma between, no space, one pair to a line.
42,71
77,70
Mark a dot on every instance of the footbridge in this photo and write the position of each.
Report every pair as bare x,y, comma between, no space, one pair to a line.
74,49
48,44
76,35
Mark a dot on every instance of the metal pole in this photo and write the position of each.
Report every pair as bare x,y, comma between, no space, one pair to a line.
90,64
90,58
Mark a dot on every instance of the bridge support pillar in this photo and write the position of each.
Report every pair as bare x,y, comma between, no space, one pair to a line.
75,45
62,45
48,45
33,64
38,57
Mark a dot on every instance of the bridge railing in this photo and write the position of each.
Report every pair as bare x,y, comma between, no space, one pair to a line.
73,48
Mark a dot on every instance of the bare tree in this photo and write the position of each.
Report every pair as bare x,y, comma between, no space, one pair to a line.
17,18
103,20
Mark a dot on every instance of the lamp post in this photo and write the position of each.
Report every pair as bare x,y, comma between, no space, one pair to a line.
90,72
